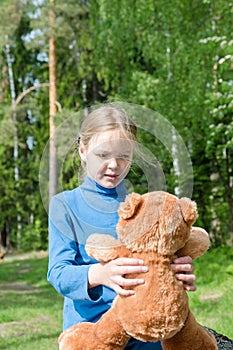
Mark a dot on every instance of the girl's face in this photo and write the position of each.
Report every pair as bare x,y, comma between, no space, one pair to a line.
108,157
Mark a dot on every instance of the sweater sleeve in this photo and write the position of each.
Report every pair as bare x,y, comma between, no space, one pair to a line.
66,273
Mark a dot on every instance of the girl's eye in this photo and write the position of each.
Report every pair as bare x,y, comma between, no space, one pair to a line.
102,155
107,156
125,156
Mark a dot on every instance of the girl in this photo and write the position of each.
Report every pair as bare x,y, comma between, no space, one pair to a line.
106,145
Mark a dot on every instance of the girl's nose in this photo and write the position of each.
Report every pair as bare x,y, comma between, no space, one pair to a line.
112,163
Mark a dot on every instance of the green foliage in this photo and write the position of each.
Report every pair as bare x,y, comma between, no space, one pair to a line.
167,62
219,139
11,12
34,236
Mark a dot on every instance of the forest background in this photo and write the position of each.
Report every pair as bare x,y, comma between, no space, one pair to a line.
60,57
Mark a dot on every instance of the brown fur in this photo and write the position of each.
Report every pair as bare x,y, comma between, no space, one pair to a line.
154,227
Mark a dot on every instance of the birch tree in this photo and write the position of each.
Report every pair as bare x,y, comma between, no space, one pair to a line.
52,104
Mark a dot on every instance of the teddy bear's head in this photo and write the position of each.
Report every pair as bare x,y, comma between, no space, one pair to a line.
155,221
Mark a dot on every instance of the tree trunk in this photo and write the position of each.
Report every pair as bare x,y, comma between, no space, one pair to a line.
15,151
229,190
52,105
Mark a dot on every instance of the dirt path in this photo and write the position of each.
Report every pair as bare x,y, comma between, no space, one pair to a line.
24,256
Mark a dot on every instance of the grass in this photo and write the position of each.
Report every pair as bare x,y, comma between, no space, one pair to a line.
212,303
31,310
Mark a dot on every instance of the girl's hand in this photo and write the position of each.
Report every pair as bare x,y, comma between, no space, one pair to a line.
111,274
185,272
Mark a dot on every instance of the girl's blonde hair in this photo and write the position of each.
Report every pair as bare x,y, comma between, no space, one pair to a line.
104,118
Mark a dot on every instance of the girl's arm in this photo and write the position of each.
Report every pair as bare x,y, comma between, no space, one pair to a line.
66,276
66,271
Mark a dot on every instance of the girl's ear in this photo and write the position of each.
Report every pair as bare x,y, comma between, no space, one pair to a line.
82,151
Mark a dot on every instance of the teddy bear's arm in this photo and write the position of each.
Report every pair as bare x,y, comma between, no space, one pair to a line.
105,248
197,244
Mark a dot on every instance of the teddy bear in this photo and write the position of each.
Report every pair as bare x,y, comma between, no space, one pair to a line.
155,227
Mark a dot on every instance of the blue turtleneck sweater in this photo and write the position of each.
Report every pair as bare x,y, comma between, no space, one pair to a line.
73,216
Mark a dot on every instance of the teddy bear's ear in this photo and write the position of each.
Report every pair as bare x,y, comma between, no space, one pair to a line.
128,208
189,210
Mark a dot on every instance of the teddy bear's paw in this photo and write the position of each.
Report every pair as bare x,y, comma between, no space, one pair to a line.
104,247
197,244
76,337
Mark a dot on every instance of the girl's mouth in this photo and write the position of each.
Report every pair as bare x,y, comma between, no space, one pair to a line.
111,176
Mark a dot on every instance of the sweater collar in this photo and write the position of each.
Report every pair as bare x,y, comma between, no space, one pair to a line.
91,186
